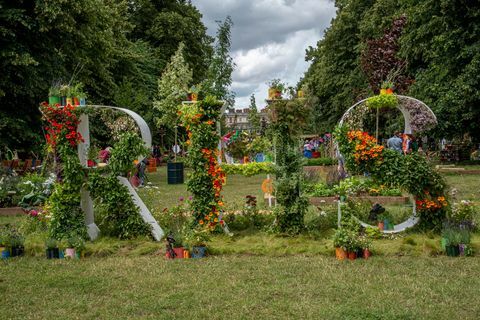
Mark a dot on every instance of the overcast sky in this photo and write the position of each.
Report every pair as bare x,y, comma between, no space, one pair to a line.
269,38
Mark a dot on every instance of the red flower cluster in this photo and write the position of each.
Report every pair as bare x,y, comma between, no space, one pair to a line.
62,122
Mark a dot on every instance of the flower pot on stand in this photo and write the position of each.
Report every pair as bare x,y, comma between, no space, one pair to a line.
178,252
340,253
352,255
70,253
366,253
198,251
53,100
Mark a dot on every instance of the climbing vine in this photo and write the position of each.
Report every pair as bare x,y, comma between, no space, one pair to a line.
288,118
410,172
63,206
206,181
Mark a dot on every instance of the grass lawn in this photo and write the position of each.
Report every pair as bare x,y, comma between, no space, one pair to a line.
240,287
251,275
161,195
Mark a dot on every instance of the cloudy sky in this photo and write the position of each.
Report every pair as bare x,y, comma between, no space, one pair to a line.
269,38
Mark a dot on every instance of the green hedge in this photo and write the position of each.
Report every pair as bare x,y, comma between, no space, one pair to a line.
249,169
320,162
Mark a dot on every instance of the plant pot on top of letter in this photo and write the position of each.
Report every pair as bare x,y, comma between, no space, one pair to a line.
70,253
352,255
178,252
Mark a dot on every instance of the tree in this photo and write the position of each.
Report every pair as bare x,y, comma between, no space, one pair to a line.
221,66
172,90
253,116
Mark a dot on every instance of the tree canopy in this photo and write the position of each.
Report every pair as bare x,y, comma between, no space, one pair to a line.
118,49
439,45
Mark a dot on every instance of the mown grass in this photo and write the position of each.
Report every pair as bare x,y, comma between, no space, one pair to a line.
160,195
240,287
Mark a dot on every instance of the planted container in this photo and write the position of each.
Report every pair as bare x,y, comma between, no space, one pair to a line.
70,253
452,250
53,100
178,252
198,251
5,253
17,251
52,253
366,253
352,255
340,253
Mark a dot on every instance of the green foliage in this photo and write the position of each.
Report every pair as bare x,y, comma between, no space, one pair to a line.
382,101
438,45
117,214
253,116
248,169
129,147
320,162
205,181
173,88
221,66
110,46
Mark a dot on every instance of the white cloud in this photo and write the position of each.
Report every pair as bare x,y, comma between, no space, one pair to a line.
269,38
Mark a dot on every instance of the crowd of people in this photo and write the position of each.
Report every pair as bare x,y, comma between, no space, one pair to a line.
315,144
404,143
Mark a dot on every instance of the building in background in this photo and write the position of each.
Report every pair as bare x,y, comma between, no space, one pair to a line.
237,119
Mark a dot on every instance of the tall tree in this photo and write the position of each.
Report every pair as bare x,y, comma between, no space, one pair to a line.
172,90
253,116
221,66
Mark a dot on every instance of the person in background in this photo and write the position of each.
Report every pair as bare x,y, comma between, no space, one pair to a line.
407,144
395,142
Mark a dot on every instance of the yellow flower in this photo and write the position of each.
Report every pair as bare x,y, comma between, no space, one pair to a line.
201,221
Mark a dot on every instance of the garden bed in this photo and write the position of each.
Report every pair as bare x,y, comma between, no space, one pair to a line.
372,199
12,211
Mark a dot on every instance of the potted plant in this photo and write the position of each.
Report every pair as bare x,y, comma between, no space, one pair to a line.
75,245
4,243
192,94
381,224
178,247
276,88
352,245
340,241
452,241
197,240
464,240
387,88
77,93
51,251
17,245
54,95
366,244
65,95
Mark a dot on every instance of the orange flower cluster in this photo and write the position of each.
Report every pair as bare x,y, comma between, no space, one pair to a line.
214,170
435,204
366,147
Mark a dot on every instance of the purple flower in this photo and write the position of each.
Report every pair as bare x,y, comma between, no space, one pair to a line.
190,198
181,199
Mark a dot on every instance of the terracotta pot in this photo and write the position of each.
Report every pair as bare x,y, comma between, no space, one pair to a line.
352,255
70,253
380,226
178,252
366,253
340,254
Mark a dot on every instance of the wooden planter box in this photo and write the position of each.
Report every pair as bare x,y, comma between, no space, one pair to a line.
372,199
12,211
